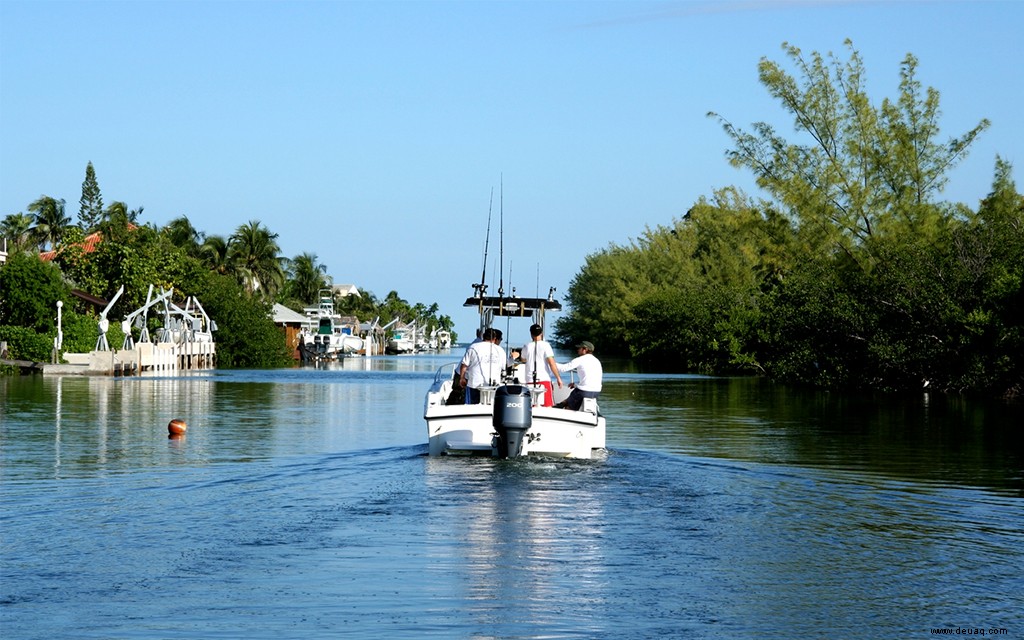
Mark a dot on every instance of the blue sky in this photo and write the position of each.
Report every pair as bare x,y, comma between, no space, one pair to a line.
372,134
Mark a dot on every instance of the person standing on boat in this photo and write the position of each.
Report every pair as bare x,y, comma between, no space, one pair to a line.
590,372
482,365
540,364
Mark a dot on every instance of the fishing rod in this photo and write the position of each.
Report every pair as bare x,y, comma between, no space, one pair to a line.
481,288
501,240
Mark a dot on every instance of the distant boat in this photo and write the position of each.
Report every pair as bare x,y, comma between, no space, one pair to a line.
442,339
402,340
327,335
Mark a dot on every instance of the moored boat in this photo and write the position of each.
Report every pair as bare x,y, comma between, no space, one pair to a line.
327,335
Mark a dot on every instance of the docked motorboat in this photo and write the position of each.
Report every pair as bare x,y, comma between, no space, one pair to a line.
443,338
510,420
402,340
327,335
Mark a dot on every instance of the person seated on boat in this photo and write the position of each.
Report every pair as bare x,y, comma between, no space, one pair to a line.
482,365
458,394
540,364
588,368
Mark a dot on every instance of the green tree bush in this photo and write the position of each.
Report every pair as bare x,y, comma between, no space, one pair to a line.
246,335
29,291
25,344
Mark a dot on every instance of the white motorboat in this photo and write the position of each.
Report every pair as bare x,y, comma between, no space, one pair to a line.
327,335
510,422
402,340
443,338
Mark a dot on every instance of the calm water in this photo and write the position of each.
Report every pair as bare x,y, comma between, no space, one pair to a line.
301,505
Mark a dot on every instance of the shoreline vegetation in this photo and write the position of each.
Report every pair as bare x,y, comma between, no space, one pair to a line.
848,272
238,279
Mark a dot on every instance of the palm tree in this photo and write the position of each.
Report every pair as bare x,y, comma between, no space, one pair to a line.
307,277
394,306
182,234
17,227
120,210
253,254
214,254
50,221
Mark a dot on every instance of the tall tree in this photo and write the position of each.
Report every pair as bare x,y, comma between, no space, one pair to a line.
255,259
50,221
91,204
864,170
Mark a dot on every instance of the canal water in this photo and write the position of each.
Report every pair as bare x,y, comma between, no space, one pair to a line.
301,504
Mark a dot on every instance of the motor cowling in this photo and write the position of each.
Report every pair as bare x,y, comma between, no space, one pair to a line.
513,415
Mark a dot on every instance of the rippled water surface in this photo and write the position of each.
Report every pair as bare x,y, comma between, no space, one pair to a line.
301,504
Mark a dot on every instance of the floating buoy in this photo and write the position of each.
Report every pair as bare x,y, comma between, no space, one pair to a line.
176,427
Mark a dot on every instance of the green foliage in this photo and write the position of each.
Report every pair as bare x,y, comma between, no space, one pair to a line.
246,336
686,294
29,291
862,170
255,259
183,235
852,276
306,277
26,344
50,222
132,256
81,332
17,228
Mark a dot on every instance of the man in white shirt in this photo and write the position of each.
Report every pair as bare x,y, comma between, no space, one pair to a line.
483,365
540,364
590,373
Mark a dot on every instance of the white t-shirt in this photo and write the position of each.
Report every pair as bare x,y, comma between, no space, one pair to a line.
484,362
589,369
536,355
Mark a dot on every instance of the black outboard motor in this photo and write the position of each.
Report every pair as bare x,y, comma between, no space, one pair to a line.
513,415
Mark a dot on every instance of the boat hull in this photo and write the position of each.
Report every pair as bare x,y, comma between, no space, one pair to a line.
329,347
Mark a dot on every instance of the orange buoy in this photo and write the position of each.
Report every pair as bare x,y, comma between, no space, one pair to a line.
176,427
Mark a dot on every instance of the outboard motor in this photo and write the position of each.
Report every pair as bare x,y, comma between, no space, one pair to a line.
513,415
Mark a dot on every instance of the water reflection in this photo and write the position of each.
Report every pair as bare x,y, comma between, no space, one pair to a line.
529,540
90,423
937,438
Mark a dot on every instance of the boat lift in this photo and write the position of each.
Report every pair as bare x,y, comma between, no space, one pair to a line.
193,324
190,323
140,317
104,324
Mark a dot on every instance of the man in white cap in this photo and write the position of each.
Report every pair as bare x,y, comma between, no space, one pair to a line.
590,373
